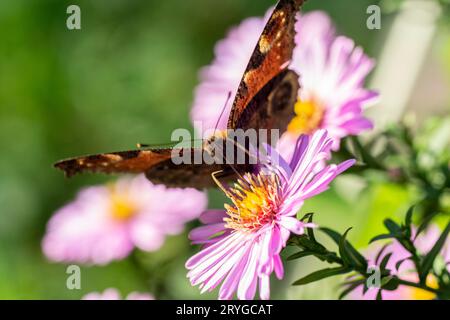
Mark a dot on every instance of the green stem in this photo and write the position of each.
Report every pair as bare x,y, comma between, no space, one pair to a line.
418,285
141,271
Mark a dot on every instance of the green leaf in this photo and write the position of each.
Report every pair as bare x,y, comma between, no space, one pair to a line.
335,236
408,218
343,249
408,222
389,283
321,274
399,263
299,255
379,295
393,227
380,253
310,245
349,254
385,261
349,289
428,261
310,231
425,224
381,237
366,156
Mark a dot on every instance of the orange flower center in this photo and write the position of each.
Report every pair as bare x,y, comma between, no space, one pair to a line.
308,117
255,201
122,208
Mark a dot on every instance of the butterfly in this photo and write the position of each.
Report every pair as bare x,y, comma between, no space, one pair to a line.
265,99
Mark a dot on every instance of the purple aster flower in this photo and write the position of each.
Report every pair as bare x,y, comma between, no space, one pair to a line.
242,244
105,223
114,294
424,243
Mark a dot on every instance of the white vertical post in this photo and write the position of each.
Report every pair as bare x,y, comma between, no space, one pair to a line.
404,53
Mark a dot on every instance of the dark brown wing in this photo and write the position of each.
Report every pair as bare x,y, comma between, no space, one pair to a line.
273,105
271,55
157,164
197,176
134,161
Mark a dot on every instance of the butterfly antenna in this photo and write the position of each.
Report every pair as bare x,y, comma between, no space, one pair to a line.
223,110
148,145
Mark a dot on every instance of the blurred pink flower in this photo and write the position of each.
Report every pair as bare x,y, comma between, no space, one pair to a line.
332,73
105,223
114,294
242,245
424,242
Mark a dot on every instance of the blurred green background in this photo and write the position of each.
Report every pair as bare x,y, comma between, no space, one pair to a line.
128,76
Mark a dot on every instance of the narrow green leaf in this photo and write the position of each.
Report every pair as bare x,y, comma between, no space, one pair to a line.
379,295
365,288
425,224
380,253
349,289
343,249
299,255
310,231
408,218
390,283
385,261
307,216
385,280
321,274
393,227
381,237
335,236
428,261
366,156
408,223
399,263
351,253
310,245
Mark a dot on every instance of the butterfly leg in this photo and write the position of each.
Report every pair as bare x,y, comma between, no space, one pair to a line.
216,175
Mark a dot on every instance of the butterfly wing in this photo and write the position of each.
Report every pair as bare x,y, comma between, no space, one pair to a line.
192,175
133,161
264,71
271,55
157,164
273,105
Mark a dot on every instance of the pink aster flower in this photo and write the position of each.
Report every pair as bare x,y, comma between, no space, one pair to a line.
114,294
424,243
332,72
105,223
242,244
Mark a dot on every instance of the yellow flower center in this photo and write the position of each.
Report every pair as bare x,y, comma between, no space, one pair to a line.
420,294
308,117
255,200
121,207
